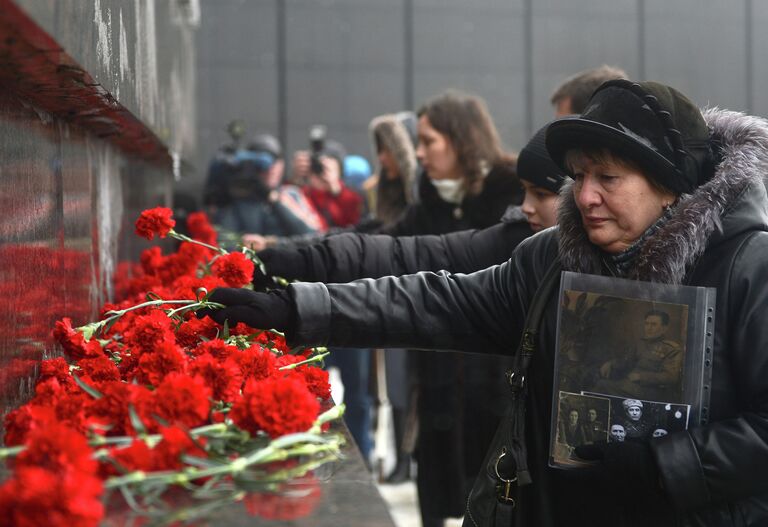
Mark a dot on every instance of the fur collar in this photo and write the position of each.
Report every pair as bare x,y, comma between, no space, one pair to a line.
672,250
396,138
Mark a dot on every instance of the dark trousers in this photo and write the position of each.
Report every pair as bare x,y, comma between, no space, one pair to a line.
355,366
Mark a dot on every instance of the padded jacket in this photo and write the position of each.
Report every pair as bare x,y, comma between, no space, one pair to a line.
715,474
349,256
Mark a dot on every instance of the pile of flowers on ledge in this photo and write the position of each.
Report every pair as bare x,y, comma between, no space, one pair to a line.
151,398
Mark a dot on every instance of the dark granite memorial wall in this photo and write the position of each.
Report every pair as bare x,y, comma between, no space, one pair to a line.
91,133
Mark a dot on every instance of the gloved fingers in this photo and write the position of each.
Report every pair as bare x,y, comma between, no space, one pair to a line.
267,255
232,296
235,314
205,312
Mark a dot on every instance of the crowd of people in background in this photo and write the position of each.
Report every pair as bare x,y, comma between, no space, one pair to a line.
442,176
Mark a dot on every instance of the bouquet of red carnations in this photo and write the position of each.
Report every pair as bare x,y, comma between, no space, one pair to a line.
152,397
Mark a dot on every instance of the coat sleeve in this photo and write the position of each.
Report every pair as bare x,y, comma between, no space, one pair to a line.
480,311
351,256
727,459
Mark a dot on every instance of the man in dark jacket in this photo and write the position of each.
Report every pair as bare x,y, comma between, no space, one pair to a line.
711,475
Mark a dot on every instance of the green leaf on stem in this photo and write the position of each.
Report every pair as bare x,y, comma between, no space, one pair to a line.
90,390
151,296
136,421
201,461
110,322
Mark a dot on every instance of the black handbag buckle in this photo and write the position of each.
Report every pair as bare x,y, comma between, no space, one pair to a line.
506,486
516,380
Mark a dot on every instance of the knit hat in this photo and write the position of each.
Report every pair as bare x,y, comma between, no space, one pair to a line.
652,125
535,166
356,170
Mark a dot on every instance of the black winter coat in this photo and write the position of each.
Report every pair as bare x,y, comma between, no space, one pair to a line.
716,474
458,408
349,256
433,215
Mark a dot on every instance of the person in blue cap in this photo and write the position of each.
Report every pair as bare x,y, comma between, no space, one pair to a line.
253,199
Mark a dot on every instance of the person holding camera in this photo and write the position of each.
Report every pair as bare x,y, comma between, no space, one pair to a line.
252,199
322,173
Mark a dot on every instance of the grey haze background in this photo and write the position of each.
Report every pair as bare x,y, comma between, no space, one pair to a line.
283,65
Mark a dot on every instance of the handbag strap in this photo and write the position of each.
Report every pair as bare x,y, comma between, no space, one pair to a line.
527,346
514,473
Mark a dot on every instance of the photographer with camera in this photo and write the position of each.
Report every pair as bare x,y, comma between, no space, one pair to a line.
252,198
320,172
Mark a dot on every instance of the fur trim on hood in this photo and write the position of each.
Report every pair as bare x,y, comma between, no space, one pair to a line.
395,137
669,253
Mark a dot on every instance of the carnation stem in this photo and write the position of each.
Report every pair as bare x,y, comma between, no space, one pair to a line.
11,451
89,329
288,446
181,237
207,430
316,358
261,456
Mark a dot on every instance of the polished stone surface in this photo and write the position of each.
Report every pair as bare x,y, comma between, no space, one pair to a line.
339,493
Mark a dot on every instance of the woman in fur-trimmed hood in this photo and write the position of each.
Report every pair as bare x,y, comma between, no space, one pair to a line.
391,189
660,193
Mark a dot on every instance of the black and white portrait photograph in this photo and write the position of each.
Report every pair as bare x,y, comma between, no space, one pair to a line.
581,420
641,419
621,346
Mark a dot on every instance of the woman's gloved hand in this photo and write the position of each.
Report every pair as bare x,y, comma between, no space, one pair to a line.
285,262
629,470
273,310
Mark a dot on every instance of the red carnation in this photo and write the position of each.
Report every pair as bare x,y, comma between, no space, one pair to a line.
217,348
112,408
182,400
200,228
256,363
155,221
58,448
57,369
148,331
23,420
275,406
136,456
224,378
317,381
36,496
69,406
154,366
235,269
175,443
100,369
275,341
241,328
73,342
193,330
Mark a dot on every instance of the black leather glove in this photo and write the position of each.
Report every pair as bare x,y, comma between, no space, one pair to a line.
628,471
285,262
273,310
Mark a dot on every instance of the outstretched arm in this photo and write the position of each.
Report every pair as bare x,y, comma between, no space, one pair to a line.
477,312
350,256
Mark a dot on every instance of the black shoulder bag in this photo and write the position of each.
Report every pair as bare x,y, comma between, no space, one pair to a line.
493,499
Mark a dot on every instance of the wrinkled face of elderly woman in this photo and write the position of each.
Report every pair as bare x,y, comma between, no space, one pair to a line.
617,201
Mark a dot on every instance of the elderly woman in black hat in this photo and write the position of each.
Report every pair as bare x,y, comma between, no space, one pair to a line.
660,193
